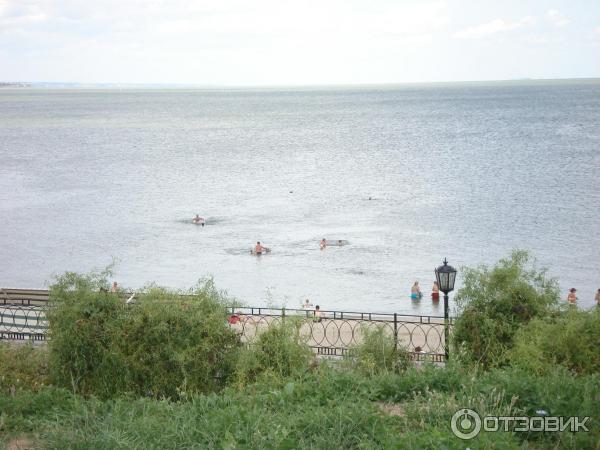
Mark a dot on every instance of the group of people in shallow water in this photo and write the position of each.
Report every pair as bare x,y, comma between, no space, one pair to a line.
323,244
416,294
415,291
259,249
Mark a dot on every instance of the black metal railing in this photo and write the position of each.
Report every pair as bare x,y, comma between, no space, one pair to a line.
334,333
23,322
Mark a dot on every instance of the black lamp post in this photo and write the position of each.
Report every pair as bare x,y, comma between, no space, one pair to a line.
445,276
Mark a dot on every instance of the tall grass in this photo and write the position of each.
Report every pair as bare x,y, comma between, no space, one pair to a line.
378,353
279,352
325,408
22,367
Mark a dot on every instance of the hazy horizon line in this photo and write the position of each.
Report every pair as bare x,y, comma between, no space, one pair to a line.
167,85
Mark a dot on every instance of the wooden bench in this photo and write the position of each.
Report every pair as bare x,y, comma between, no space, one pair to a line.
25,297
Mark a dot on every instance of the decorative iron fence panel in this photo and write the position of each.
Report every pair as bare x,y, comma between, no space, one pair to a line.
23,322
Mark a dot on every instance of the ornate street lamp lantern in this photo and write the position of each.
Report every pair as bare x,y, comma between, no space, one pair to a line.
445,276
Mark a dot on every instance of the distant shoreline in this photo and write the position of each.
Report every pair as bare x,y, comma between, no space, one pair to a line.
6,84
176,86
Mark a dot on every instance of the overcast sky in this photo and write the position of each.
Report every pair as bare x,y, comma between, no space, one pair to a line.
297,42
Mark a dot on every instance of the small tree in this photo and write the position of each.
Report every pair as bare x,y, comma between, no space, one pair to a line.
494,303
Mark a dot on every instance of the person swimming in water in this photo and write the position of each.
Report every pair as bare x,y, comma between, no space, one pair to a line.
259,249
198,220
323,244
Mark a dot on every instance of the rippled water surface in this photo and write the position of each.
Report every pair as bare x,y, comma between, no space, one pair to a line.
466,172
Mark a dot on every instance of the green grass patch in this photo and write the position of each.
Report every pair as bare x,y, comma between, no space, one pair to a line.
326,408
22,367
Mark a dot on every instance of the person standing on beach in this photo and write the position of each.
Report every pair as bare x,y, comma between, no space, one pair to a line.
572,297
323,244
318,314
114,287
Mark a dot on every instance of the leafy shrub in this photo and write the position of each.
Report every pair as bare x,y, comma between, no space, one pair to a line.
162,345
22,367
494,303
570,339
378,353
278,351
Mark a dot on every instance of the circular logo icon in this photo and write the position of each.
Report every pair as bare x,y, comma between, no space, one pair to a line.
465,424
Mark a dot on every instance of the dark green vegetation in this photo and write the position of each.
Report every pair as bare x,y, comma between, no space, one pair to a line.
510,315
378,354
570,339
277,353
149,376
495,303
325,408
163,344
22,367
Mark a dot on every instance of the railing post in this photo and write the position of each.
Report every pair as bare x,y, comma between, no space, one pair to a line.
446,329
395,331
283,314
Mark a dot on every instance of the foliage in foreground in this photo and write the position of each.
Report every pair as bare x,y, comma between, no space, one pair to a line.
378,353
277,352
277,404
326,408
570,339
163,344
495,303
22,367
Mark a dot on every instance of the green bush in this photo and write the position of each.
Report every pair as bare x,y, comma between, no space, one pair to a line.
277,352
162,345
569,339
378,353
495,303
22,367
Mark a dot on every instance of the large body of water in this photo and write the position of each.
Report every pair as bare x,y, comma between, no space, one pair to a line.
466,172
